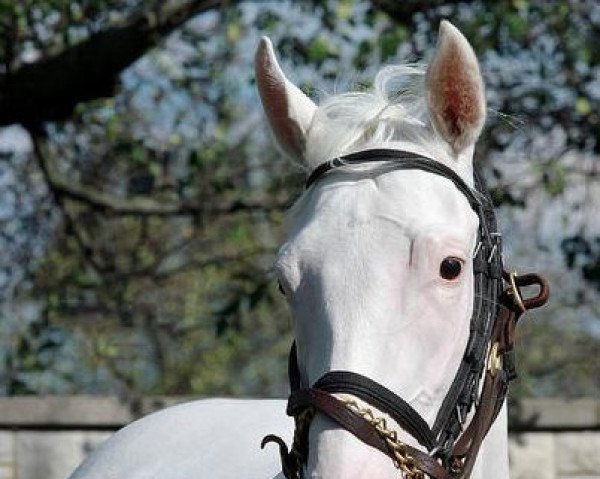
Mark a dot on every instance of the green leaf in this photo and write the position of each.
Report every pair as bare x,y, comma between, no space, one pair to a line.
234,32
154,169
344,9
239,233
583,107
390,41
517,26
112,129
318,50
138,155
555,179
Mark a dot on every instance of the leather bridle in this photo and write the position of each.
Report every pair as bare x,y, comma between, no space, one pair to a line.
452,445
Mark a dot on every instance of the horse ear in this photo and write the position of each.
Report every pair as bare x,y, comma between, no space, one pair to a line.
455,91
288,110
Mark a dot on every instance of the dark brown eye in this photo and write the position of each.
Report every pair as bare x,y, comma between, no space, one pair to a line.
451,268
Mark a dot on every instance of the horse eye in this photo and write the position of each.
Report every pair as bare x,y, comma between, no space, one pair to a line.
451,268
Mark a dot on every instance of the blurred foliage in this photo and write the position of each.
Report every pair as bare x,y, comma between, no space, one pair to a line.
183,303
33,29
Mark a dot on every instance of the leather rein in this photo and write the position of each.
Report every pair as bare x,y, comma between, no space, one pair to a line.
451,444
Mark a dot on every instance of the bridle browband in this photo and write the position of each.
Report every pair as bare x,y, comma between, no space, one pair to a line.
451,445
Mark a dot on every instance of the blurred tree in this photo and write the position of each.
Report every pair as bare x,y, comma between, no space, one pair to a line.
158,264
148,271
73,59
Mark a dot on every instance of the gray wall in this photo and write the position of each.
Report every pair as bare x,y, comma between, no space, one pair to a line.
45,438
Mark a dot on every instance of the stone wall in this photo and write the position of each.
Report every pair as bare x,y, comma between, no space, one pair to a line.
45,454
45,438
558,439
555,455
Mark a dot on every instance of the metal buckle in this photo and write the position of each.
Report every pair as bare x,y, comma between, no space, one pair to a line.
494,359
514,291
492,253
456,466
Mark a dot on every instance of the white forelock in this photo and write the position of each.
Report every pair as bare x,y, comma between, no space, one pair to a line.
392,114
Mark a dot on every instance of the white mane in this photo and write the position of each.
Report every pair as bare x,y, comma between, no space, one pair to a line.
390,115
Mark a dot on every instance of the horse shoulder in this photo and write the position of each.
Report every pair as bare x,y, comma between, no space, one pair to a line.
213,438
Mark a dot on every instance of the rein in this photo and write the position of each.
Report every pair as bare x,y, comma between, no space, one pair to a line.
451,445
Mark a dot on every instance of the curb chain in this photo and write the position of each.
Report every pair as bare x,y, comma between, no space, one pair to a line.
402,459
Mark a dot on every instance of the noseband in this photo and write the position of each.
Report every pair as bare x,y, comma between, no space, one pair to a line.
452,445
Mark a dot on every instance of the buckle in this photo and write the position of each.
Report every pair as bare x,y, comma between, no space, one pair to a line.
517,281
515,293
494,363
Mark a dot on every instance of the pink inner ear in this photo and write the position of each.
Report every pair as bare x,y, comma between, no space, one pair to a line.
455,96
459,98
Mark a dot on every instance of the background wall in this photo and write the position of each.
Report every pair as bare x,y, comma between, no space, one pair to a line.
47,438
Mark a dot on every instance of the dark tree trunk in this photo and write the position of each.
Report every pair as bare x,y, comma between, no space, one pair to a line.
49,89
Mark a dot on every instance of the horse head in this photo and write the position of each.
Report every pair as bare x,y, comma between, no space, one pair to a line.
378,264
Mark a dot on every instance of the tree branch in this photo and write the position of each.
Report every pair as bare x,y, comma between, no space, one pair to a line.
146,206
49,89
402,12
85,249
141,207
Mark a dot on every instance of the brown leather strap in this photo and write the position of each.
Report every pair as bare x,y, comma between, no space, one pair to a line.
495,385
336,410
467,447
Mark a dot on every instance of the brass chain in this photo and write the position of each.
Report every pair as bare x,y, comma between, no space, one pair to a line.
402,459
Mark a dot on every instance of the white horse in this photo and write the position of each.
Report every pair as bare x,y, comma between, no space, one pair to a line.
361,272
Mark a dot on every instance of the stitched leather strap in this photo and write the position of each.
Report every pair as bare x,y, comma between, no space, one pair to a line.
399,160
496,382
382,398
493,394
487,270
359,427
